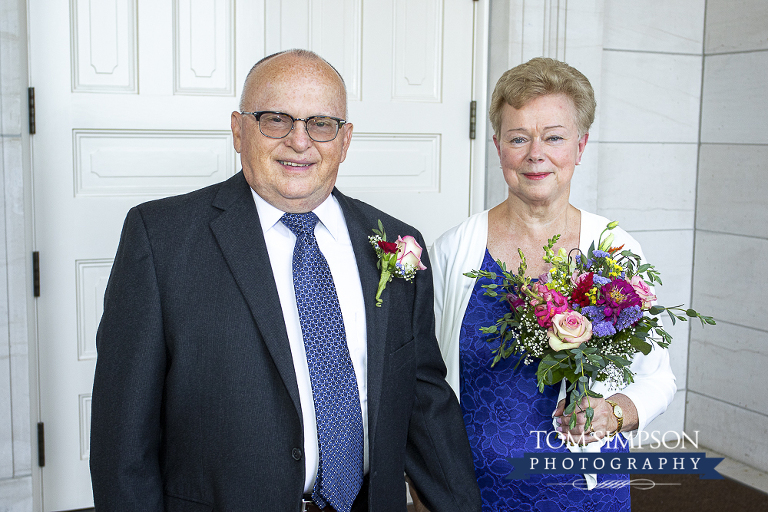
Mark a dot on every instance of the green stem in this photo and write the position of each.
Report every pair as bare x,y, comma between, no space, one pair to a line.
383,280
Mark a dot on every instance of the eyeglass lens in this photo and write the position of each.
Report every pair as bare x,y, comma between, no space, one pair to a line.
277,126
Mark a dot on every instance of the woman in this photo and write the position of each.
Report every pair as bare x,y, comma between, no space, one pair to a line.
541,112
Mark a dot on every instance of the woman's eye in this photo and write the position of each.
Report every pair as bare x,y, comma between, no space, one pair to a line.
554,138
517,140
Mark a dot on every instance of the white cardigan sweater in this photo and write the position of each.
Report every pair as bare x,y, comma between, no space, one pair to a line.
462,248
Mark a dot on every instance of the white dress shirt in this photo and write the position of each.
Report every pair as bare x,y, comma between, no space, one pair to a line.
334,242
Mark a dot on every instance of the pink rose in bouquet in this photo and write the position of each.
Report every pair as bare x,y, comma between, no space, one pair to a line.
568,330
643,291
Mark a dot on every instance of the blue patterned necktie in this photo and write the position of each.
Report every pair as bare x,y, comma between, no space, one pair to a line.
334,386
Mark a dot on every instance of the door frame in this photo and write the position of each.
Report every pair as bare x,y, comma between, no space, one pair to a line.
477,178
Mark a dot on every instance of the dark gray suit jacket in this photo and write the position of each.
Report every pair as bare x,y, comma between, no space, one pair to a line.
195,402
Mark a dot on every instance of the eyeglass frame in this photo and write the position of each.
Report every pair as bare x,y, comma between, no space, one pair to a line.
257,115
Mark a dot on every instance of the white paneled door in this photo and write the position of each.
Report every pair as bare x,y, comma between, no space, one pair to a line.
133,100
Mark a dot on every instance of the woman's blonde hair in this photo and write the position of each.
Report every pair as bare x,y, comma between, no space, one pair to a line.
539,77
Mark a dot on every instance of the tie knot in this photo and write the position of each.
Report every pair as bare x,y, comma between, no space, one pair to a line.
301,223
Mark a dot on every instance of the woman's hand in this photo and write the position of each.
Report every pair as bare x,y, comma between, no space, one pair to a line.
604,422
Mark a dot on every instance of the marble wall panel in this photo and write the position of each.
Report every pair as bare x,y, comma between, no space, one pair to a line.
584,184
6,423
730,430
736,26
495,186
20,399
667,27
16,257
16,495
671,252
733,99
650,97
672,420
584,48
741,352
731,193
648,186
727,285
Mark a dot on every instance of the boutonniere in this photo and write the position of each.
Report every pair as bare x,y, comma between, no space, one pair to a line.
401,258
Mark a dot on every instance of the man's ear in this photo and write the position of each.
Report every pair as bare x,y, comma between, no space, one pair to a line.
346,140
236,123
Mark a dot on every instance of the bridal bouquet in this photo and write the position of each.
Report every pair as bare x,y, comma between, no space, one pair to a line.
584,320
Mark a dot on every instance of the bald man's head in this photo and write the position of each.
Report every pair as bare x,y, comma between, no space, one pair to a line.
262,67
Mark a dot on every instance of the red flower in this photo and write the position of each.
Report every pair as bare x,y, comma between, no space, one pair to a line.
579,295
388,247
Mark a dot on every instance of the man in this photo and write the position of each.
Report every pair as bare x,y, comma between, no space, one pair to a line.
243,364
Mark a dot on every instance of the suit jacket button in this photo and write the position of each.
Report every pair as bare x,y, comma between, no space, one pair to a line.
296,454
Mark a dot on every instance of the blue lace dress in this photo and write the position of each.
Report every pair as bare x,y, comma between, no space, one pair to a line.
501,407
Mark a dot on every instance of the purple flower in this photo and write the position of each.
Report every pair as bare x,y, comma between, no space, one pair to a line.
603,329
594,313
628,317
617,296
600,280
600,254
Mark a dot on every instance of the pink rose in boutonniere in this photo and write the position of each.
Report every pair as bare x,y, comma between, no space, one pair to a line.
401,258
409,252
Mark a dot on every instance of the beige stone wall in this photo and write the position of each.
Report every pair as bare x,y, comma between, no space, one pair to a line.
726,372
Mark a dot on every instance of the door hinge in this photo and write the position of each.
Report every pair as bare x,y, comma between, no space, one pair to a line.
472,119
36,272
41,444
31,98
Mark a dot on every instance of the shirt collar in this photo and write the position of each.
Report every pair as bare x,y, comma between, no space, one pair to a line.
329,212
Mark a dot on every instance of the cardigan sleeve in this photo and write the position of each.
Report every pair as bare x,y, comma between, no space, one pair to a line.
457,251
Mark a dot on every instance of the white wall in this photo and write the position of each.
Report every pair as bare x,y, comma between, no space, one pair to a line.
727,364
15,441
650,101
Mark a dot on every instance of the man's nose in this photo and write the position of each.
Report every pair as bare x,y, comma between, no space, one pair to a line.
298,138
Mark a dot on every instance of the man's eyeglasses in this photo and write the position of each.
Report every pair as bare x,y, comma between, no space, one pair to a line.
277,125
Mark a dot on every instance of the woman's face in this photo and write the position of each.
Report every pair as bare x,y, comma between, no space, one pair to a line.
539,147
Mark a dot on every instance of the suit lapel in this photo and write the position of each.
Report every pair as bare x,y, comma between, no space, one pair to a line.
360,227
239,235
